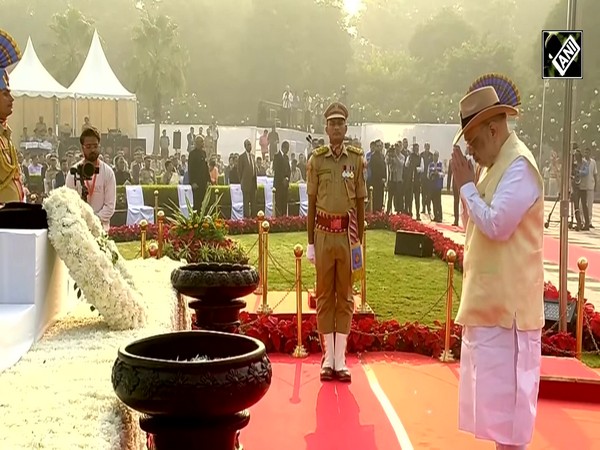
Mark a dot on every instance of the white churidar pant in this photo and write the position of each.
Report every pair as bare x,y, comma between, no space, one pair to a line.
499,383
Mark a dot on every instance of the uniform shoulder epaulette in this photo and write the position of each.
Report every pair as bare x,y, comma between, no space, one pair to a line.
320,151
355,150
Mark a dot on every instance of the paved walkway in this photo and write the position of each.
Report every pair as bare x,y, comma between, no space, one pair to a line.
586,239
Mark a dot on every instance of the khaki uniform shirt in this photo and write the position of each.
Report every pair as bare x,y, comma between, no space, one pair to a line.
10,169
339,182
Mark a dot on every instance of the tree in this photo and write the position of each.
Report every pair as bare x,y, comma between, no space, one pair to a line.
301,43
390,24
159,64
72,36
586,100
385,85
444,31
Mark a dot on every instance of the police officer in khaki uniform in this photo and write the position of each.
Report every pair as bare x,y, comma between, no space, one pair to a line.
11,188
336,208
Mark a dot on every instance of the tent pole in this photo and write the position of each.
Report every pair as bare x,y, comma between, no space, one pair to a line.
135,124
74,115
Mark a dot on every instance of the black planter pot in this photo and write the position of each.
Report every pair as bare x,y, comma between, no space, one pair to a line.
193,387
217,289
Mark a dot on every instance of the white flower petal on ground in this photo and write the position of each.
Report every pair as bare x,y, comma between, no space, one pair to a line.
59,396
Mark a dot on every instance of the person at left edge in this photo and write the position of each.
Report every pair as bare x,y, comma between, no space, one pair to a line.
102,188
11,189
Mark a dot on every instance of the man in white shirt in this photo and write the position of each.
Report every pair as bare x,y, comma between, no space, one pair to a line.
501,306
588,182
101,187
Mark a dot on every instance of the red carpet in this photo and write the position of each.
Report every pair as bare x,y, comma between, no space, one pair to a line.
424,393
445,226
552,253
567,368
301,413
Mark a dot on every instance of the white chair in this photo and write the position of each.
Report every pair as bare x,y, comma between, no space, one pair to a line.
262,180
269,197
237,201
185,196
136,209
303,209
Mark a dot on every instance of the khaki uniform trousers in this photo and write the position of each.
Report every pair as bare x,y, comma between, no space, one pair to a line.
335,302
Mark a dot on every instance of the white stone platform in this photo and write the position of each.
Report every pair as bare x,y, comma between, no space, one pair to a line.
34,291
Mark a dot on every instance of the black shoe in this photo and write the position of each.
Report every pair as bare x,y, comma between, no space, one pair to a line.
343,375
326,374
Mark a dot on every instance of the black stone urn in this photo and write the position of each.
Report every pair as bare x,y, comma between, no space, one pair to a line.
193,388
217,290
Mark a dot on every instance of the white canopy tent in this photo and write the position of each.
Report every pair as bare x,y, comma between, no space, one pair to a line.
99,95
36,93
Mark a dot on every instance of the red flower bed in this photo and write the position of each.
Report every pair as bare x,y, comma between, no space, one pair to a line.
373,335
130,233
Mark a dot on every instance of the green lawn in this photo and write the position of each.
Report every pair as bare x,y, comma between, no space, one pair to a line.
592,360
398,287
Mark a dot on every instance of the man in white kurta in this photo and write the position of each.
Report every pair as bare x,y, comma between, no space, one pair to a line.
102,188
501,309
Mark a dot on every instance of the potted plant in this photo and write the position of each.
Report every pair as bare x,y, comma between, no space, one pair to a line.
217,275
202,236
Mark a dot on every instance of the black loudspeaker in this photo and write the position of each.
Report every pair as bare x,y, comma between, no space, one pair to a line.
552,313
23,216
73,146
121,142
137,144
411,243
177,140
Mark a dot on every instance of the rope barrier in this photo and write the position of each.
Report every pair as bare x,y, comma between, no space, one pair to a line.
266,259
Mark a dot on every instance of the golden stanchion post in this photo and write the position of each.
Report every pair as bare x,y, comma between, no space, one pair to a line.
370,199
161,225
363,280
264,307
447,353
155,206
299,351
144,230
582,263
260,219
274,212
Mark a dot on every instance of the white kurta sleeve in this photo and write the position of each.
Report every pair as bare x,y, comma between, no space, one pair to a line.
517,191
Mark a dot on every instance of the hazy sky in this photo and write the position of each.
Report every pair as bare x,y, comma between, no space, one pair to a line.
352,6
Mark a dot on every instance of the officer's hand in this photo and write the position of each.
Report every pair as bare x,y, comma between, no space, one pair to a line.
310,253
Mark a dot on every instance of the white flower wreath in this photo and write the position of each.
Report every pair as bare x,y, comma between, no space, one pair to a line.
93,260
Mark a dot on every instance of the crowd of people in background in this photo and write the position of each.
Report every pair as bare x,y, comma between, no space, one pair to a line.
401,177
